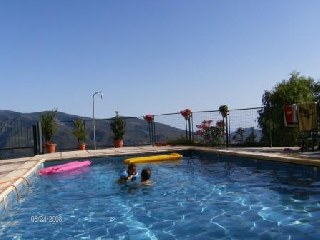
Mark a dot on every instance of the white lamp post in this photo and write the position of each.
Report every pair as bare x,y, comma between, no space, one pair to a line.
94,125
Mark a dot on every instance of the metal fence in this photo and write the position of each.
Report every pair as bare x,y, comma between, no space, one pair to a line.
16,138
104,137
17,135
168,128
245,119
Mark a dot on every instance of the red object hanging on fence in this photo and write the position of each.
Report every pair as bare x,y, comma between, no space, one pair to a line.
149,118
290,115
186,113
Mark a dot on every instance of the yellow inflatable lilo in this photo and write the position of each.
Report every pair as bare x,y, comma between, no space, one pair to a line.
155,158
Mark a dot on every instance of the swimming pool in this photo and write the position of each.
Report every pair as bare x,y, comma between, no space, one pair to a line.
203,196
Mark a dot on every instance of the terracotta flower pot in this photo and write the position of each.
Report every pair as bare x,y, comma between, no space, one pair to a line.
118,143
82,146
50,147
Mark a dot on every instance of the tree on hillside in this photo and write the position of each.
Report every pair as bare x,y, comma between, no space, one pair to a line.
251,138
297,89
239,135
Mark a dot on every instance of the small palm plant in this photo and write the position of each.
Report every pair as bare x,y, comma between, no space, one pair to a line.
49,129
80,133
223,109
117,126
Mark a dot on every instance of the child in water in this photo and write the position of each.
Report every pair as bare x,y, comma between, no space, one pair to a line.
145,176
129,175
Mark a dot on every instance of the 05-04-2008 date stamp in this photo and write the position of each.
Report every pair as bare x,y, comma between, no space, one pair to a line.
46,218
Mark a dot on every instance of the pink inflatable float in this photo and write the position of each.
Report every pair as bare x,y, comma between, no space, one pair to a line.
64,167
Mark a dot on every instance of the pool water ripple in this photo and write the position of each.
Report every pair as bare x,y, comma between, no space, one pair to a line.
201,197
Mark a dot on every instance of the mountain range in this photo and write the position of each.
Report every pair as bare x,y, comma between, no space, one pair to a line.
16,131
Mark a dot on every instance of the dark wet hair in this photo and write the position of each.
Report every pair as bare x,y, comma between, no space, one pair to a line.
132,166
145,174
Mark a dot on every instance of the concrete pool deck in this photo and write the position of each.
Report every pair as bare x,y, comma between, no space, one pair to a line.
19,172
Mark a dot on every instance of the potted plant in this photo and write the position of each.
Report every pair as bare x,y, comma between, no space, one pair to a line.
117,126
223,109
49,128
80,133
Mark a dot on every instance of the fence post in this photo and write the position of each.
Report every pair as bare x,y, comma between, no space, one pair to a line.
271,129
150,132
40,136
188,129
192,132
37,139
227,132
153,133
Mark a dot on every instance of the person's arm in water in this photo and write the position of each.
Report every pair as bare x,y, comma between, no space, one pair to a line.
130,174
131,177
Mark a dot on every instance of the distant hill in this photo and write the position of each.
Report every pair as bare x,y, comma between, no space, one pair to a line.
15,127
235,138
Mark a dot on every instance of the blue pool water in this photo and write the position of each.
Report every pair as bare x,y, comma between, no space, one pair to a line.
203,196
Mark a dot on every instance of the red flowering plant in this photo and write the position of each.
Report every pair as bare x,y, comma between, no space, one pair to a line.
149,118
186,113
212,135
220,124
204,130
187,116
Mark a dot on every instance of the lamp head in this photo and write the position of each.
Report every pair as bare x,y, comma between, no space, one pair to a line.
100,94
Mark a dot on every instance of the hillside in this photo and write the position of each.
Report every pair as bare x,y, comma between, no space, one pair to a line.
235,138
16,131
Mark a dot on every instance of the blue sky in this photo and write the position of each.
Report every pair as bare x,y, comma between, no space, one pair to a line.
152,56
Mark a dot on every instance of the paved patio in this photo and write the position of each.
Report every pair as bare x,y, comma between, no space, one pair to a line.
19,171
